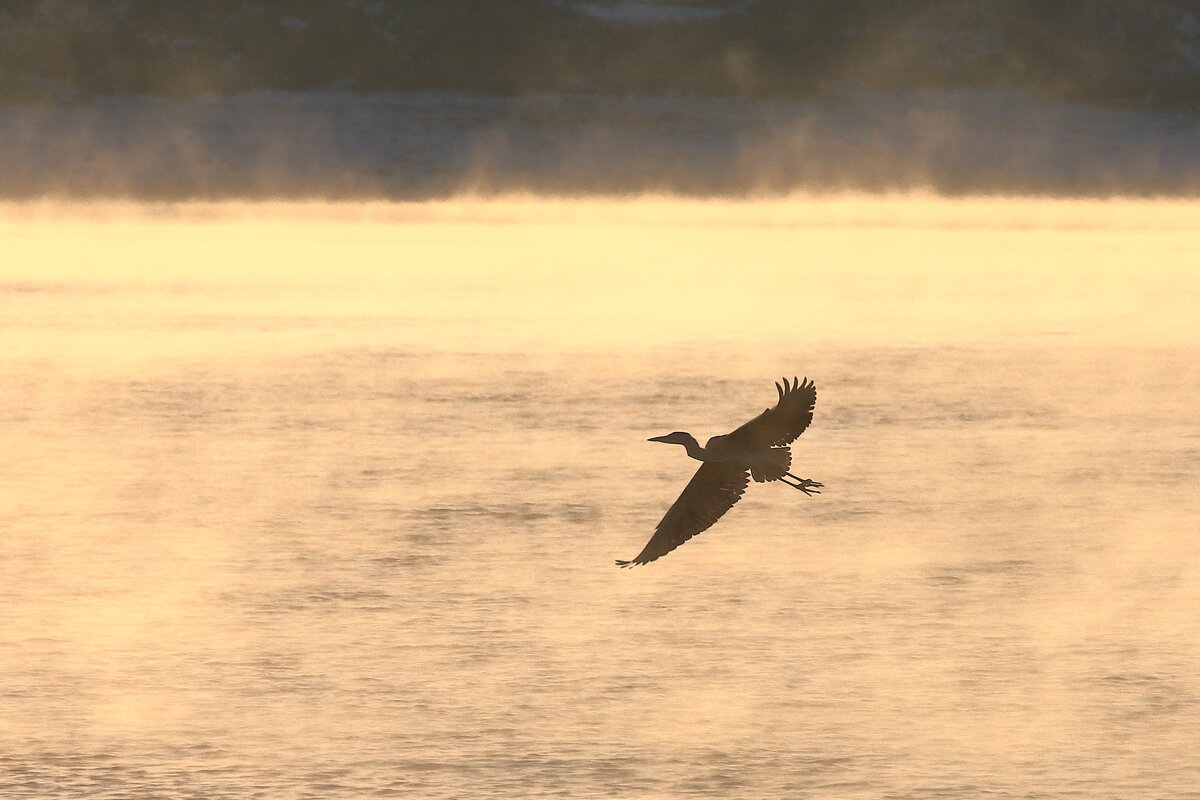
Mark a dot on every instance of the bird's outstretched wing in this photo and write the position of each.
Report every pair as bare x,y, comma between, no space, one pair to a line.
780,425
711,492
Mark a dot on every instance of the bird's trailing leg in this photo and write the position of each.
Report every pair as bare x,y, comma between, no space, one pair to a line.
803,484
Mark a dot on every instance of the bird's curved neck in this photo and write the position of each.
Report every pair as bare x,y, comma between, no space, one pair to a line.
693,448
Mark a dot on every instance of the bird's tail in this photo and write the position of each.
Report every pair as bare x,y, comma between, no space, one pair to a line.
772,465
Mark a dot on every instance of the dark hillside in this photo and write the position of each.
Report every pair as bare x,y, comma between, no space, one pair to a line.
1110,51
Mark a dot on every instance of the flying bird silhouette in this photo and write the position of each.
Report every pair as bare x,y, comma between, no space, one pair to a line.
758,449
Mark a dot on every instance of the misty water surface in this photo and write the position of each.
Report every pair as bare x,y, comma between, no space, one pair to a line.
309,501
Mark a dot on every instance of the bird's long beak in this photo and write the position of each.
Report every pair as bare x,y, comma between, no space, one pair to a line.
657,439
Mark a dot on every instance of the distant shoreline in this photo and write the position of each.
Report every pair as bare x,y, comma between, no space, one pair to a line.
1135,53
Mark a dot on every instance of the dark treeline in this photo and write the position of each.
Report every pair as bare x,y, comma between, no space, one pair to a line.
1144,52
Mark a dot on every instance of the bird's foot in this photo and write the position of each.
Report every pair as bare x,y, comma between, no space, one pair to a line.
804,484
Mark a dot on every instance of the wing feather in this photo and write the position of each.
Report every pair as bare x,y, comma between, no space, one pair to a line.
711,492
782,424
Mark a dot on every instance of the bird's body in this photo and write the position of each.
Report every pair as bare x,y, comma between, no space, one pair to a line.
721,449
759,450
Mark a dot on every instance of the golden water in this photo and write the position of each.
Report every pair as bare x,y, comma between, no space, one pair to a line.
322,501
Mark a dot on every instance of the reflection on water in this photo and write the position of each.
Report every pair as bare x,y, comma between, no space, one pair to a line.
324,502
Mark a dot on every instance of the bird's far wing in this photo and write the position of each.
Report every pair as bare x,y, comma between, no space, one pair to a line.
780,425
711,492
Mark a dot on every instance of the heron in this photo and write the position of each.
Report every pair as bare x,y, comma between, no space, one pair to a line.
759,449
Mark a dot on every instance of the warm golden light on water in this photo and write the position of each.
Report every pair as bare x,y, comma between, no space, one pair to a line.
591,273
326,497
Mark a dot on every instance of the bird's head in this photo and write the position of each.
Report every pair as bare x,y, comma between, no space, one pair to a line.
678,437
